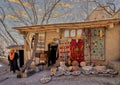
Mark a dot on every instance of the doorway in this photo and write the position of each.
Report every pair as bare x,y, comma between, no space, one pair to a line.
21,58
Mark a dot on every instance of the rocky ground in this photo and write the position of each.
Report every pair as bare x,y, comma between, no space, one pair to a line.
8,78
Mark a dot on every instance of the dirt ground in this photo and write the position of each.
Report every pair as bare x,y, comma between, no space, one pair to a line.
8,78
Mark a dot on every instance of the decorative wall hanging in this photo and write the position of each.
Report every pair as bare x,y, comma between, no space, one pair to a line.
96,44
77,50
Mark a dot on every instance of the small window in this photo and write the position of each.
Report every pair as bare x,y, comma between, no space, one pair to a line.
66,33
79,32
73,33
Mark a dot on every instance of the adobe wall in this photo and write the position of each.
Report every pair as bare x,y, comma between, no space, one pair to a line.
98,14
49,37
112,43
112,49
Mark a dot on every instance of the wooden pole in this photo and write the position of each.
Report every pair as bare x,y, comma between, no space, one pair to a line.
90,46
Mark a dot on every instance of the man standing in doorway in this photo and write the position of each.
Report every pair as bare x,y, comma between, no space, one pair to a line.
12,58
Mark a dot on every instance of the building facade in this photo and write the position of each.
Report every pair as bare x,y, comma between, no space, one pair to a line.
94,41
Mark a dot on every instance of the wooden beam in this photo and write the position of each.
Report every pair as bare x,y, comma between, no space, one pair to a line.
77,25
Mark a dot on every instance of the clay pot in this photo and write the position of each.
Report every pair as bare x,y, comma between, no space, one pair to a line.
82,64
75,63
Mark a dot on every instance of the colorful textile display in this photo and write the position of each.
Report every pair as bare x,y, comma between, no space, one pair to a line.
81,51
95,42
72,49
77,50
64,49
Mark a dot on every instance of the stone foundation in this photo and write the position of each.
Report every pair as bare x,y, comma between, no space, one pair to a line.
115,65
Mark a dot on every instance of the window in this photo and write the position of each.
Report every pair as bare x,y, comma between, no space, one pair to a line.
66,33
73,33
79,33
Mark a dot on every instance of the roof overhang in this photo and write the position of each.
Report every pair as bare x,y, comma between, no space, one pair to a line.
75,25
16,47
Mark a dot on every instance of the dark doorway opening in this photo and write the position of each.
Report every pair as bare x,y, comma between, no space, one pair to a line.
21,57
